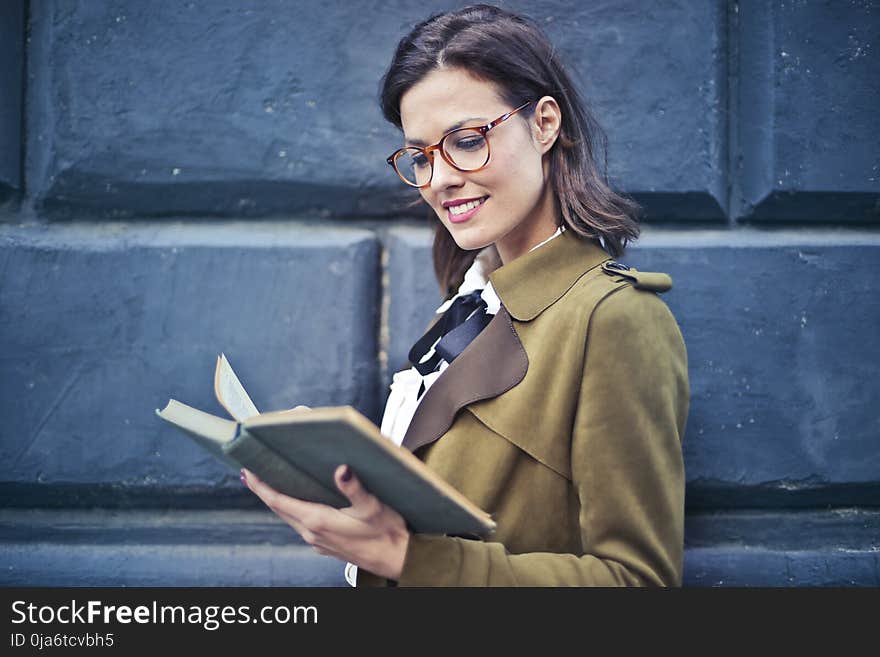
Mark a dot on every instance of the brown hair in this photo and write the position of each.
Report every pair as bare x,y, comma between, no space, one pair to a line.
501,47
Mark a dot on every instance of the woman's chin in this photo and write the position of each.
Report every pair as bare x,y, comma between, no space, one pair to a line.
469,240
471,245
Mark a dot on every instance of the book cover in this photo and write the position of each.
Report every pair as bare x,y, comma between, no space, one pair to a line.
297,451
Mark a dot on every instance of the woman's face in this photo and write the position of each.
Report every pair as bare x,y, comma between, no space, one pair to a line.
516,209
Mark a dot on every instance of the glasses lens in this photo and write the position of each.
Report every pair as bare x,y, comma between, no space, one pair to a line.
414,166
467,148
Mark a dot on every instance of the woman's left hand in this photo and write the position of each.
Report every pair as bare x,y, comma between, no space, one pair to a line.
368,533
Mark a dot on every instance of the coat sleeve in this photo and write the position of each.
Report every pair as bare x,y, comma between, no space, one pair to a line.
626,463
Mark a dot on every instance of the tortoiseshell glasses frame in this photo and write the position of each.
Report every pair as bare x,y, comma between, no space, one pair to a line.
424,157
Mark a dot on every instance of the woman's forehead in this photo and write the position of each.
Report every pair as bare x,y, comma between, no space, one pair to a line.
443,100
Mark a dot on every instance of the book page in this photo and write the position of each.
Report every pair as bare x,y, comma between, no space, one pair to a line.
209,431
230,393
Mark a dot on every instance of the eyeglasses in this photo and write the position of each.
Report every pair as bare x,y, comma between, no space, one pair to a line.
465,149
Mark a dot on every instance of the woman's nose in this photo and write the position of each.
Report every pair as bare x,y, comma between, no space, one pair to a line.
445,175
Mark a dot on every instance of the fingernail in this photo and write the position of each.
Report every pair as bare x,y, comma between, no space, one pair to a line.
243,478
346,476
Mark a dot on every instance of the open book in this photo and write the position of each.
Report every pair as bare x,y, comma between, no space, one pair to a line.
297,451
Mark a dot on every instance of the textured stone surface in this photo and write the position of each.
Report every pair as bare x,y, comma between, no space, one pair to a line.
656,77
758,112
183,108
835,547
756,566
99,548
103,324
783,363
845,528
11,75
254,548
58,564
808,126
413,293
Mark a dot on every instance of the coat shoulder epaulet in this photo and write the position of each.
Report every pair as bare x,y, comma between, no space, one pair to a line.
641,280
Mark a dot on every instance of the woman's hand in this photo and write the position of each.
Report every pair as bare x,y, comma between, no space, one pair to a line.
368,533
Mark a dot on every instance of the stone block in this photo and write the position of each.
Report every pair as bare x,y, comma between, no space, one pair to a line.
807,115
149,548
412,291
12,26
656,78
783,363
254,548
165,108
833,547
102,324
749,566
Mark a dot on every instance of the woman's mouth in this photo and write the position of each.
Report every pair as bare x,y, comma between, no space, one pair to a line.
463,211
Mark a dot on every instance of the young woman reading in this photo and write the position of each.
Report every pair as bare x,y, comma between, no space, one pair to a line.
552,389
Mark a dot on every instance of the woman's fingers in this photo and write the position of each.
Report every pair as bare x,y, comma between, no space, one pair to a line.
289,509
309,519
362,533
298,510
364,505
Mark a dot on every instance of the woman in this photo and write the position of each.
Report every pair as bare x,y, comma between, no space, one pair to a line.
561,405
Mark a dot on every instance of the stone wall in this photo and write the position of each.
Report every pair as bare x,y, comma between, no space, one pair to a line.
180,179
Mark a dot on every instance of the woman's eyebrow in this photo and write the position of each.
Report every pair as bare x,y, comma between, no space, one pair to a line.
454,126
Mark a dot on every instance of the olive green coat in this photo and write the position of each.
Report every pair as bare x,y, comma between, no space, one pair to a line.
564,420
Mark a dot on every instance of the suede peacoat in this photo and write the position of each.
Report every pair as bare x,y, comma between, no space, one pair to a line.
564,419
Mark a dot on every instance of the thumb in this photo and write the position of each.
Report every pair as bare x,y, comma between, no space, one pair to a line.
350,486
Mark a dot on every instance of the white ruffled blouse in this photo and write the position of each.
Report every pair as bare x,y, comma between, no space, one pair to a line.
404,398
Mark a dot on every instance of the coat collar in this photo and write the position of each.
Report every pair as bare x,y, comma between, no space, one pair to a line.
495,360
532,282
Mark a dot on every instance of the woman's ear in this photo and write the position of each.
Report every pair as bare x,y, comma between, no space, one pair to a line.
546,123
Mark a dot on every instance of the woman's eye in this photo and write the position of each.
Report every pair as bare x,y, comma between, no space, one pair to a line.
470,143
420,161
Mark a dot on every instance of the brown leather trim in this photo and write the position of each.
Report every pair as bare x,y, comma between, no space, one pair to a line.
492,364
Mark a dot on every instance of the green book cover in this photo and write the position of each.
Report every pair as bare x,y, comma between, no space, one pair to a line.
297,451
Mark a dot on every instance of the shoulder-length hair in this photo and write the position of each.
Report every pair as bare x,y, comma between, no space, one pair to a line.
512,52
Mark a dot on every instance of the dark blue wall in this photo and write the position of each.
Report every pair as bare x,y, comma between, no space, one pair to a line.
181,179
12,26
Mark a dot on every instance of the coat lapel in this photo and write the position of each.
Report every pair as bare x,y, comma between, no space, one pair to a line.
492,363
495,361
